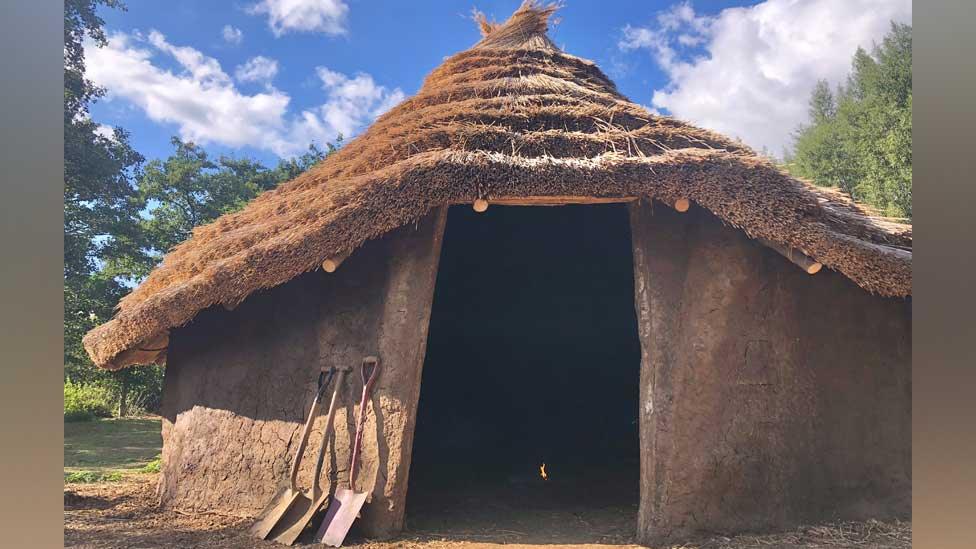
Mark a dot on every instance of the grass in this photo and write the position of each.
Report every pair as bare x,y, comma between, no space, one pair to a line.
153,466
106,450
88,477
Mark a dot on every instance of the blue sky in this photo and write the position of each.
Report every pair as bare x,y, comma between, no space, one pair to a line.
262,78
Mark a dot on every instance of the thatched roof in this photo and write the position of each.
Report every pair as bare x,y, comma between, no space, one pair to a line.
511,117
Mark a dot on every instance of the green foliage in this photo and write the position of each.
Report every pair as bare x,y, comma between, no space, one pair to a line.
136,390
860,138
85,402
100,209
153,466
101,205
189,189
91,477
172,196
822,105
121,215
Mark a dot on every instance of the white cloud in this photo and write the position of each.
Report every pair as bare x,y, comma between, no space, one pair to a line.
257,69
748,72
638,37
233,35
680,16
327,16
106,131
202,101
352,100
203,69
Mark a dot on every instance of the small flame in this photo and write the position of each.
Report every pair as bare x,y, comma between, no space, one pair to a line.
542,472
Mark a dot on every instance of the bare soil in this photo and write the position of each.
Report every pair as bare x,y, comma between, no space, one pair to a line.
125,514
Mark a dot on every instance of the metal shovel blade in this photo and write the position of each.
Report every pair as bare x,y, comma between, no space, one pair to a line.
280,505
304,507
342,512
345,505
296,519
290,503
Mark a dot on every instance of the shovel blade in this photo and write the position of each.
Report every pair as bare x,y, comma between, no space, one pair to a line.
272,514
342,512
296,519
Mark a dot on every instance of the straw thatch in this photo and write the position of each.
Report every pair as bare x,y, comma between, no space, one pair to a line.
511,117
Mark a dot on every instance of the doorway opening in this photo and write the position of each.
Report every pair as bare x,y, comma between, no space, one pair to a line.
533,358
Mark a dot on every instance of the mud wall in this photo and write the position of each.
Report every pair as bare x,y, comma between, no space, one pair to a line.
768,396
239,383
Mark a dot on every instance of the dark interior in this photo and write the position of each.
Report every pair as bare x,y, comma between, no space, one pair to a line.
532,357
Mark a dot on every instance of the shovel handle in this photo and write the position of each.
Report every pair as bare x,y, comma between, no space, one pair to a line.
368,381
316,485
325,378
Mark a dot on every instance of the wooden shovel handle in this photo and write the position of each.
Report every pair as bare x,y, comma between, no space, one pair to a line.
316,485
313,412
368,382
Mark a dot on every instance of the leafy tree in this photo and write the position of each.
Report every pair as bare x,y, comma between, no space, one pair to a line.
189,189
823,108
121,215
860,139
171,196
100,210
818,154
288,169
100,203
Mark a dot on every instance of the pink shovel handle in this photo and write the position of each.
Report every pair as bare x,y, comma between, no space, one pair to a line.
368,383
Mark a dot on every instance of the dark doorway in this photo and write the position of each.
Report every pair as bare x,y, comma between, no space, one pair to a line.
533,357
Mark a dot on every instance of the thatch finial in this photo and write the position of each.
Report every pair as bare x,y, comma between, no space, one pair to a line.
484,25
525,28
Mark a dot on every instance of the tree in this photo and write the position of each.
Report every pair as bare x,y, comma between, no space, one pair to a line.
189,189
823,108
99,201
100,207
174,195
860,139
818,155
121,215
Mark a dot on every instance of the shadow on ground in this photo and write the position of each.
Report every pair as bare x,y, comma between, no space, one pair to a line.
124,514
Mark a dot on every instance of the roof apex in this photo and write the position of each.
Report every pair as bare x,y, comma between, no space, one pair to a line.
525,29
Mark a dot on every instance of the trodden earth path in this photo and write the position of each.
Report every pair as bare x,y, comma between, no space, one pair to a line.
125,514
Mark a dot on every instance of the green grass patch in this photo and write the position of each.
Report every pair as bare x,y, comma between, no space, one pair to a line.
105,450
89,477
154,465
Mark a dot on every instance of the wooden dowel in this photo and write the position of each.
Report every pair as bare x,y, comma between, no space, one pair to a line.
682,205
330,265
800,259
480,205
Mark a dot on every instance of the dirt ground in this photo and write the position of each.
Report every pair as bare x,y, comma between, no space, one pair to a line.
124,514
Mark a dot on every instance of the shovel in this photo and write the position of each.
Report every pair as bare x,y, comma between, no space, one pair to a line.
307,504
285,497
345,505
